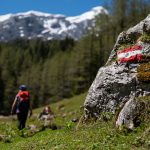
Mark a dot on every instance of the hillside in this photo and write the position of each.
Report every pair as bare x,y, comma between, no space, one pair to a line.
87,135
113,114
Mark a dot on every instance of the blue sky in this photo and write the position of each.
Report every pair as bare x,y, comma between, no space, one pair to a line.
66,7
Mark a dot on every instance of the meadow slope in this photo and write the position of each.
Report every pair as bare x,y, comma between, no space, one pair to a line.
64,133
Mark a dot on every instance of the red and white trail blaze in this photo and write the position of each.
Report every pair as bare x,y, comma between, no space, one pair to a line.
130,54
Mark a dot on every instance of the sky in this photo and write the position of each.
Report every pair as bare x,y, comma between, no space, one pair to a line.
65,7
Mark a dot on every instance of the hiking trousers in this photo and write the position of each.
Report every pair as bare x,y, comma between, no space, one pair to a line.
22,117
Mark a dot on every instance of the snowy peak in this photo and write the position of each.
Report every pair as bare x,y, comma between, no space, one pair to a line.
88,15
34,24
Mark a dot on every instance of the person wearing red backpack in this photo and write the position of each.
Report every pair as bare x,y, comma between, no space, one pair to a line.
22,105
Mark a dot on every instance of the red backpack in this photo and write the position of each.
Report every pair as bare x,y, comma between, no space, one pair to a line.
23,96
22,101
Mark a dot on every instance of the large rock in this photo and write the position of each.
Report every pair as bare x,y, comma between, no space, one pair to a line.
116,83
134,111
129,113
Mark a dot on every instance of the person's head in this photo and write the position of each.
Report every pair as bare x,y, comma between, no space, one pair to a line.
22,87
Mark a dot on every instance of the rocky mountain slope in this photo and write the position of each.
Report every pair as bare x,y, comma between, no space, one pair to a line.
124,80
34,24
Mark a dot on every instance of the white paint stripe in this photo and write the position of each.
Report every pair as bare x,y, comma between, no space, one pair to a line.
129,54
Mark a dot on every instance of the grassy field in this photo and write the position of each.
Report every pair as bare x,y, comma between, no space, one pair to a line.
64,134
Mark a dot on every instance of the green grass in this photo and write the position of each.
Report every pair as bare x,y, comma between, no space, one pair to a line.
92,135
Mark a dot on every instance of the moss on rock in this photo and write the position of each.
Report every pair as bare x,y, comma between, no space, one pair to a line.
144,72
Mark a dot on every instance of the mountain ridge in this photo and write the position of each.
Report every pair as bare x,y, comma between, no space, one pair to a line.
34,24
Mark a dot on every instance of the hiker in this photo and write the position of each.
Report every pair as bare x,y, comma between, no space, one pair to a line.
22,105
46,113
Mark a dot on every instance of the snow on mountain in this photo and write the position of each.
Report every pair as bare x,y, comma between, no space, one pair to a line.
87,15
34,24
5,17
